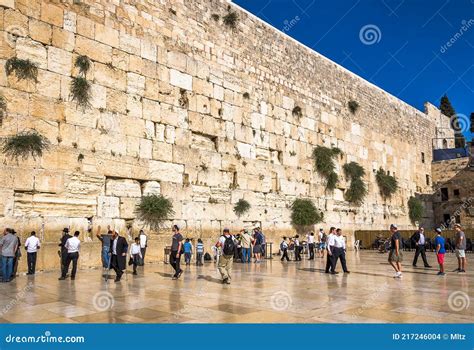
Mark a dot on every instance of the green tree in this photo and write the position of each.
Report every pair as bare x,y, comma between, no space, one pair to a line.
446,107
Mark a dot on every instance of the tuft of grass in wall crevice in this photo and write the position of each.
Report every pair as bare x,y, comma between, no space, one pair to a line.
25,144
23,69
388,184
357,189
325,165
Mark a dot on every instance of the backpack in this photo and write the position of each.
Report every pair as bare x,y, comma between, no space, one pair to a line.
324,238
229,246
283,246
207,257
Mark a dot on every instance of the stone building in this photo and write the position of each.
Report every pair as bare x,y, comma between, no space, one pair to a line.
186,106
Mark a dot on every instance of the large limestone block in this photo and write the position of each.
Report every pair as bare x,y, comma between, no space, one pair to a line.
128,207
32,50
52,14
123,188
135,83
182,80
162,151
59,61
129,43
106,35
148,50
162,171
150,188
69,21
40,31
95,51
108,207
112,78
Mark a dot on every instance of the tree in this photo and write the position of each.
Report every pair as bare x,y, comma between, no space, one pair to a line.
448,110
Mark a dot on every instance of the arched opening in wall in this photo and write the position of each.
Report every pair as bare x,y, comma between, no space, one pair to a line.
445,143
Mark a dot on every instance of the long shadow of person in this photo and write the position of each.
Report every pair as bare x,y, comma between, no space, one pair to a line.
209,279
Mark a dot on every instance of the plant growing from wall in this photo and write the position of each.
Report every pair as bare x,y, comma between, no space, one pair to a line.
81,91
241,207
415,209
304,213
154,209
3,108
353,106
24,145
357,189
324,164
215,17
246,95
388,184
231,19
297,112
23,69
83,64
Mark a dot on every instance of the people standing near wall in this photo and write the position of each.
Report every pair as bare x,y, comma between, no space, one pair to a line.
419,239
310,240
297,248
284,250
9,244
32,244
322,243
136,254
440,251
339,251
118,250
188,251
72,245
62,247
329,245
176,251
105,239
460,239
246,243
143,245
199,252
395,256
17,257
228,244
257,245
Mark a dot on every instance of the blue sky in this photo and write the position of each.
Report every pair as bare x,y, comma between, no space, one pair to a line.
399,45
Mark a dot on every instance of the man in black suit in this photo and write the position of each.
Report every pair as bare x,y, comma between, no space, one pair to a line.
62,245
118,249
420,241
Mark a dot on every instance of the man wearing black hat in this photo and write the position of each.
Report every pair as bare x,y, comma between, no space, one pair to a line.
62,245
118,248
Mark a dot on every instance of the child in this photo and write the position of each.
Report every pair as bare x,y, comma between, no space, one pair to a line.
199,252
135,254
284,250
440,251
188,248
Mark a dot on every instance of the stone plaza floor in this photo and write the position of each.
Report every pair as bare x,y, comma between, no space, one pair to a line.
271,292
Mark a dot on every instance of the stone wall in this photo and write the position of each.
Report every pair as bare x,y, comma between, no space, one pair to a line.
184,106
456,177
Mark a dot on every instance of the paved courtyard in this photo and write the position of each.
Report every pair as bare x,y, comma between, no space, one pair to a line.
271,292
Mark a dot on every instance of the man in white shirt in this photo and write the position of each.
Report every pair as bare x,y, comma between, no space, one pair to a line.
339,252
143,245
420,247
310,240
32,244
329,247
72,246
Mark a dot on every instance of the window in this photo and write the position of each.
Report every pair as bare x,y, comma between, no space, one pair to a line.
446,219
444,194
427,180
458,219
445,143
456,193
422,157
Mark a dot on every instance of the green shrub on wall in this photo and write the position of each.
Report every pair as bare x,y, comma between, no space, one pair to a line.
231,19
388,184
305,213
241,207
23,69
154,209
357,190
415,209
353,106
24,145
324,164
80,87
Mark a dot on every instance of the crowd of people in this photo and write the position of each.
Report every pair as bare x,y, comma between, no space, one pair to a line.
229,247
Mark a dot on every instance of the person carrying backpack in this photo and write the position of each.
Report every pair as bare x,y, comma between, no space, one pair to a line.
284,250
228,245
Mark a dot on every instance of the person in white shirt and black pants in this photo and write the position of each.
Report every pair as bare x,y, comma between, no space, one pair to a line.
32,245
339,252
73,246
329,247
136,254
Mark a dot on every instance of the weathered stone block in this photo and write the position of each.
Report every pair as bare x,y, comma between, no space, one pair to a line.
108,207
182,80
122,188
